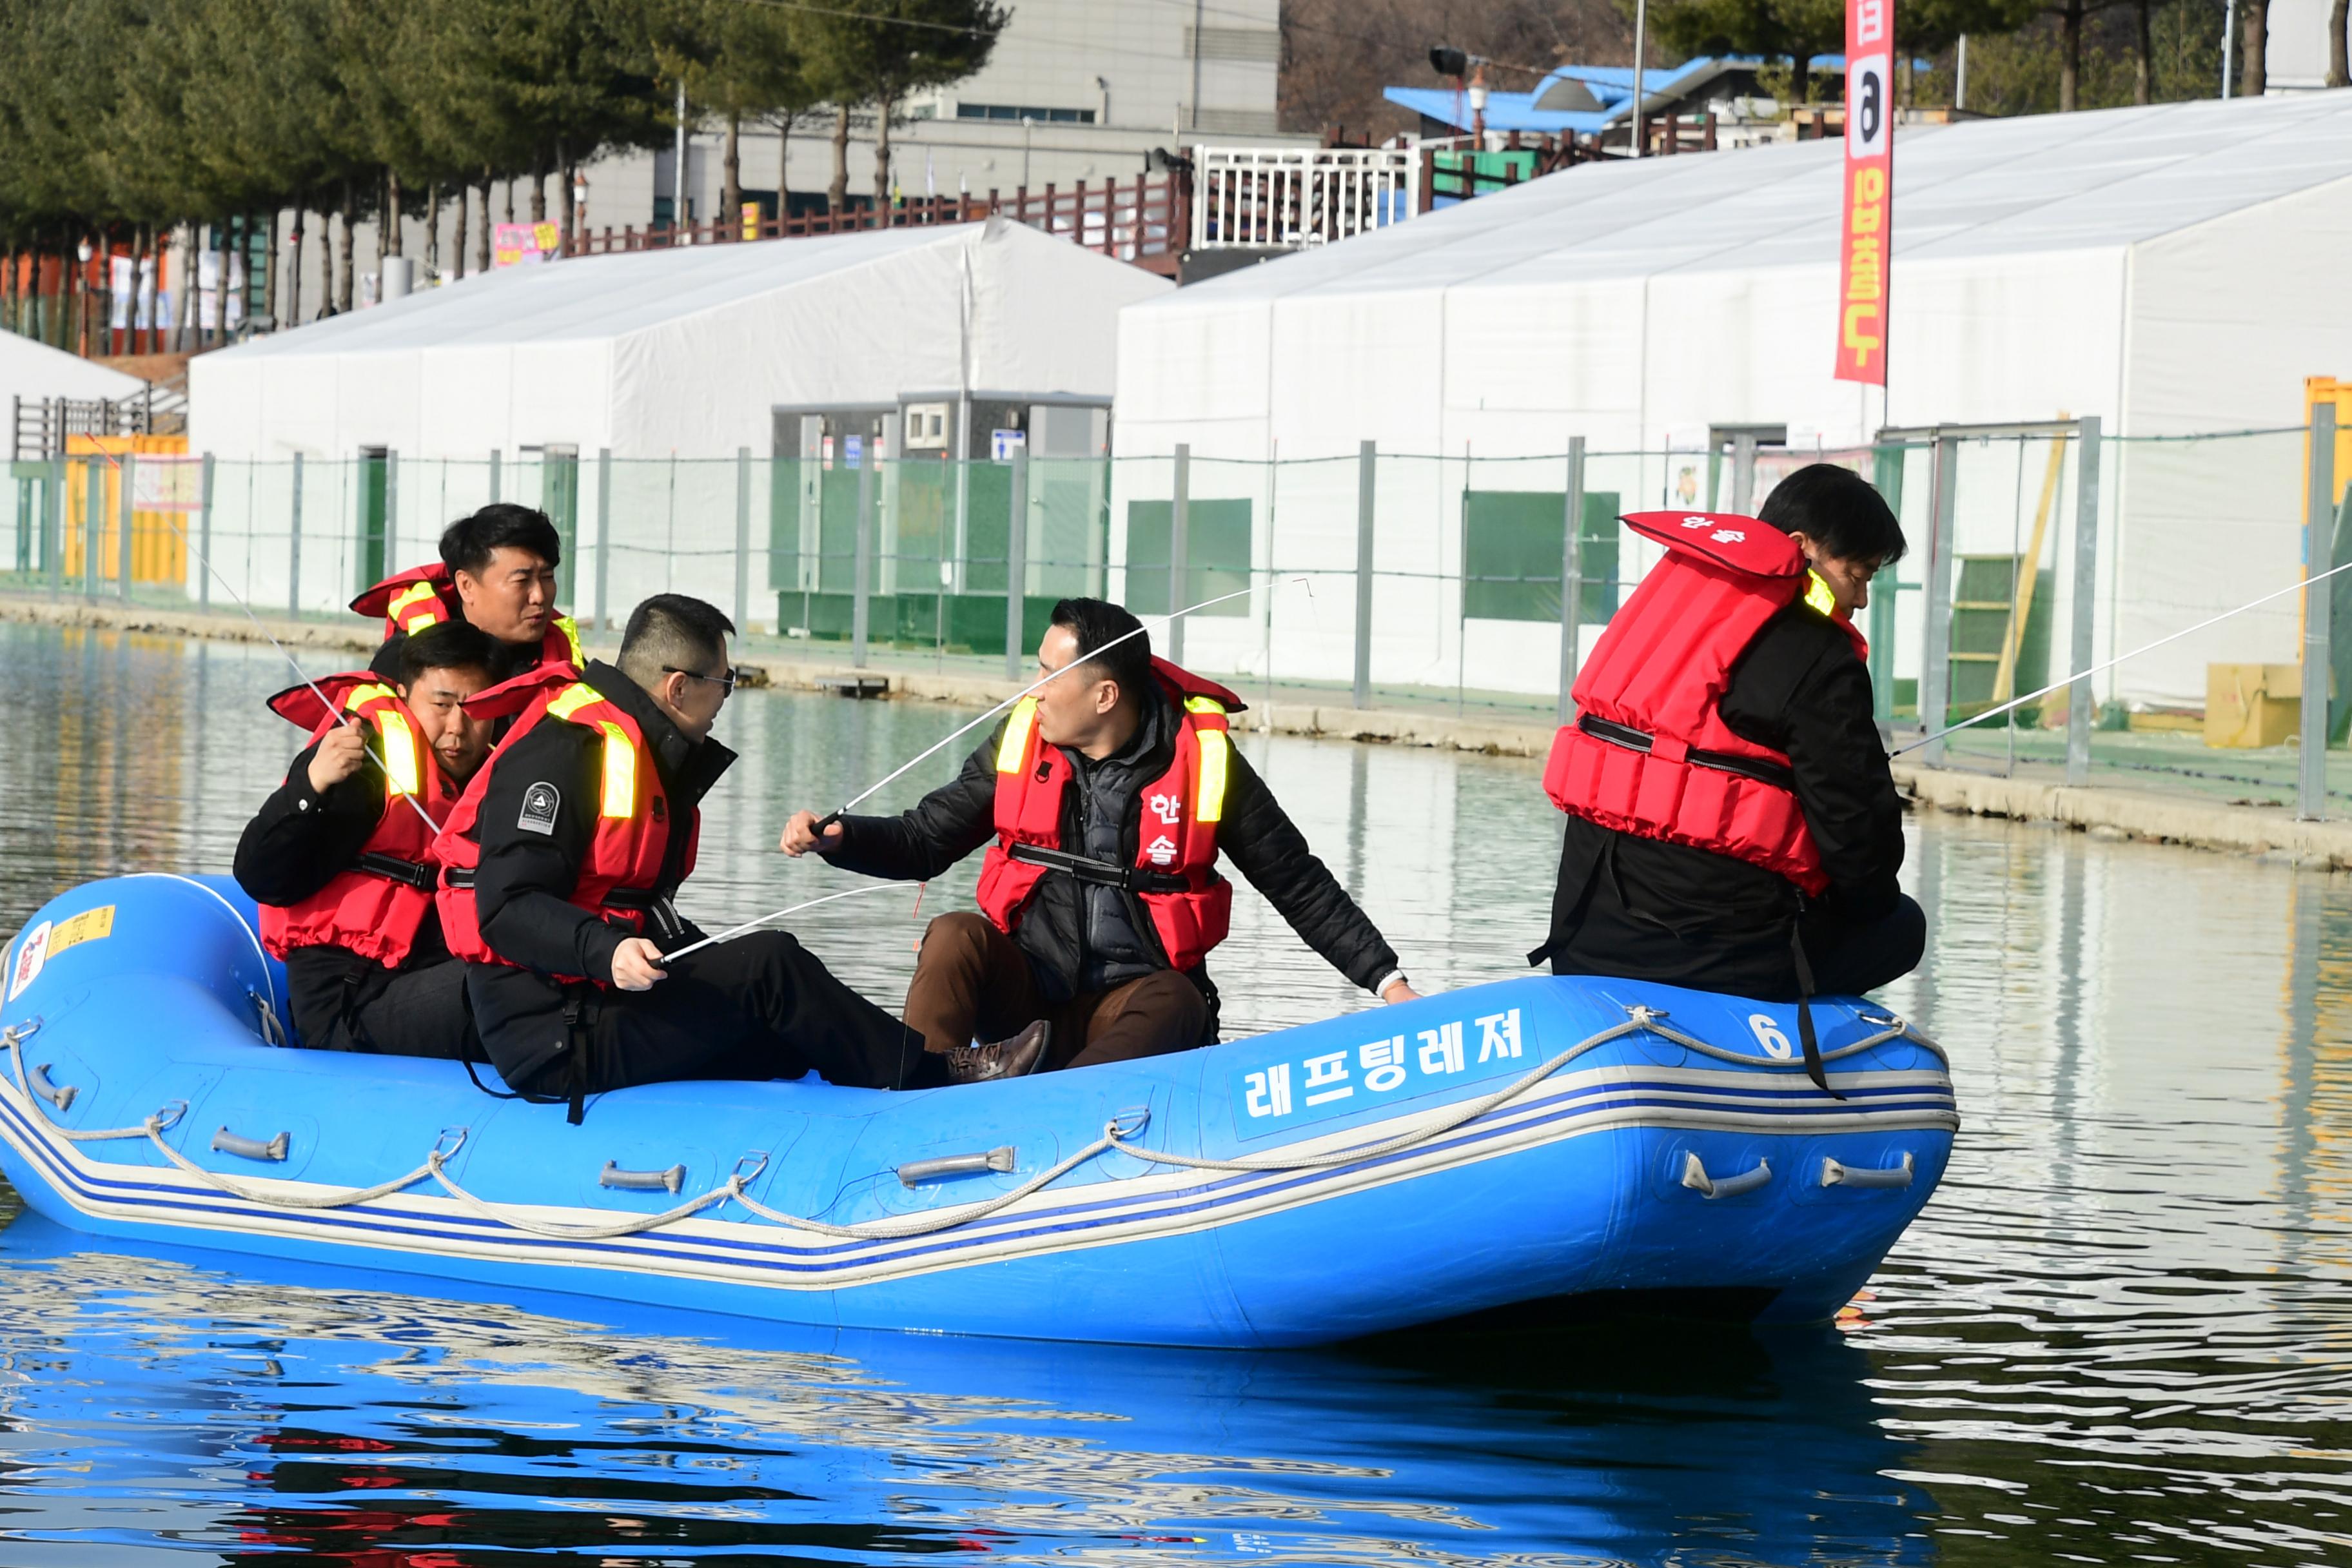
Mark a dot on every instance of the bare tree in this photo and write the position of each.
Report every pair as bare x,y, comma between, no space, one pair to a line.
1339,55
2254,75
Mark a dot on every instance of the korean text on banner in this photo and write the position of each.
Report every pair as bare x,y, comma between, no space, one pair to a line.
1867,231
521,243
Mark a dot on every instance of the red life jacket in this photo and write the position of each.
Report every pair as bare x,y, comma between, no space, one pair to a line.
1175,873
375,906
1649,753
620,880
426,596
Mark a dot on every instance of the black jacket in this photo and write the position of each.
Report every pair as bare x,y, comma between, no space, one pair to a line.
296,843
1641,909
1254,833
523,885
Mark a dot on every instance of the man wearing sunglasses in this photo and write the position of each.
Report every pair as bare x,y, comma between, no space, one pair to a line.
564,854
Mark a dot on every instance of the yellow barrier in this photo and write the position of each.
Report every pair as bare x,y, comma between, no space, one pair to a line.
163,494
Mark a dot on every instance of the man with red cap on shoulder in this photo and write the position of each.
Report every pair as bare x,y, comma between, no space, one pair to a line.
497,573
1732,824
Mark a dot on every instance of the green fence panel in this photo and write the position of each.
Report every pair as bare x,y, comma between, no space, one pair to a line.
1216,555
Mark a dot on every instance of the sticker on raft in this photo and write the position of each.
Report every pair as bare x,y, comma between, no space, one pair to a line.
45,941
31,951
1332,1082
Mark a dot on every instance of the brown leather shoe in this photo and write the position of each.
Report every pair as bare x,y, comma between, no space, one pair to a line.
1013,1057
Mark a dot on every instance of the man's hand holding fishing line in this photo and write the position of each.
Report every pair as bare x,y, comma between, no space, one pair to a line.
341,754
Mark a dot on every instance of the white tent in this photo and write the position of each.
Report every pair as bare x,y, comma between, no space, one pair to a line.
684,350
2174,269
342,449
31,370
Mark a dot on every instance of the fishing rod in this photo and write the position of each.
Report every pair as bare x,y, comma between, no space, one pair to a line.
2119,658
333,709
829,818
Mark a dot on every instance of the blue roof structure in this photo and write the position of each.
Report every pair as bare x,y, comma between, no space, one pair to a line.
1582,100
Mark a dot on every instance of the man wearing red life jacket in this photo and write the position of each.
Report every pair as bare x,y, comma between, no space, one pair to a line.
1732,825
341,856
497,571
563,860
1108,796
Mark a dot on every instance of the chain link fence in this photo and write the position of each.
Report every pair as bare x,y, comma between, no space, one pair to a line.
1375,580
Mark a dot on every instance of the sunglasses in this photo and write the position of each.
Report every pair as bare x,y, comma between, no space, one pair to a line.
728,681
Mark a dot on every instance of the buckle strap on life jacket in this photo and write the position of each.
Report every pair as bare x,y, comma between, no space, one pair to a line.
391,867
1805,1035
652,903
1632,739
628,901
1102,873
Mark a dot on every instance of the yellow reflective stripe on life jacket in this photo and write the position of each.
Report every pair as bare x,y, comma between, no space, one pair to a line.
409,598
1209,802
573,699
571,631
1015,746
620,772
620,754
1818,595
401,772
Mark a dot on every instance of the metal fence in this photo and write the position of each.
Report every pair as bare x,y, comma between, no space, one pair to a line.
1376,579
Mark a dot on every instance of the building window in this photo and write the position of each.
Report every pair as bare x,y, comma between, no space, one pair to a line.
1017,112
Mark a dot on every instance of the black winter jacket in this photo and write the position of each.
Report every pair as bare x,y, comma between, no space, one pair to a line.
1254,833
1644,909
522,887
299,841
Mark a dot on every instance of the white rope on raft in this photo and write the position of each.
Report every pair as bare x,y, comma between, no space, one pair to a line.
1116,1136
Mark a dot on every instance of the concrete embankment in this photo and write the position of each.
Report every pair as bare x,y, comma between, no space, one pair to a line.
2105,810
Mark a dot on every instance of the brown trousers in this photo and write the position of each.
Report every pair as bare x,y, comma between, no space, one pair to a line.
972,983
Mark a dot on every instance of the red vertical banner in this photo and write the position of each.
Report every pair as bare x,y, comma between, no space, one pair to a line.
1867,229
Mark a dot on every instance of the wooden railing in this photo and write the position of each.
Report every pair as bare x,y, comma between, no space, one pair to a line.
1147,221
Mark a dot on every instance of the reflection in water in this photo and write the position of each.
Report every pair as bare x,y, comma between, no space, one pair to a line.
339,1419
2120,1333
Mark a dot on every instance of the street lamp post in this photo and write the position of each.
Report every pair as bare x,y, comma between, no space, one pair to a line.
1641,43
81,297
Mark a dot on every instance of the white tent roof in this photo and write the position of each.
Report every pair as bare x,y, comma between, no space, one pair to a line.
33,370
1695,264
686,349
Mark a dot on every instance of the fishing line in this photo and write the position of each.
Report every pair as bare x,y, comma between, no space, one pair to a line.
2102,668
933,749
333,709
669,957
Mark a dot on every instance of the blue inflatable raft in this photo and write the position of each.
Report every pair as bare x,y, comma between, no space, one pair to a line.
1495,1151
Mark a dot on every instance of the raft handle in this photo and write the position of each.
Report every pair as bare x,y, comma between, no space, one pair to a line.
59,1095
915,1172
1695,1177
227,1142
1837,1173
667,1181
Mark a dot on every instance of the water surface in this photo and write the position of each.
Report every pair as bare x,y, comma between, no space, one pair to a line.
2121,1332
